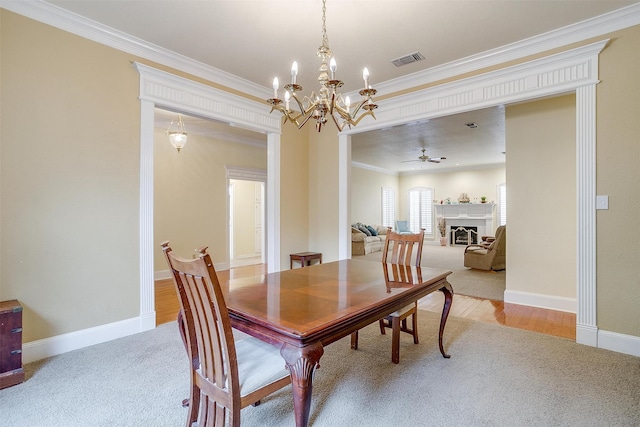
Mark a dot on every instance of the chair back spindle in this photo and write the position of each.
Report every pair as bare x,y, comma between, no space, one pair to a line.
403,246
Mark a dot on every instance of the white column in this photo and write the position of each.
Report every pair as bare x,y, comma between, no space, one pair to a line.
586,321
147,297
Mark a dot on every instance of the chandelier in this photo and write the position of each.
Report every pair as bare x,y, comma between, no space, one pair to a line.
328,102
177,137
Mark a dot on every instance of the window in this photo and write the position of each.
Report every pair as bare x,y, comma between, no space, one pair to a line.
502,204
421,210
388,207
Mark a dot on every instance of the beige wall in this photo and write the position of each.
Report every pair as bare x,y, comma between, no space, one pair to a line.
618,156
366,195
294,193
541,197
323,192
69,175
190,193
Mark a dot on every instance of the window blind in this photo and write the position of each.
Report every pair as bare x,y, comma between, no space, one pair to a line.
421,210
388,207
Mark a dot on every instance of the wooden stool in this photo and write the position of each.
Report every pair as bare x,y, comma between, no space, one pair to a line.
304,258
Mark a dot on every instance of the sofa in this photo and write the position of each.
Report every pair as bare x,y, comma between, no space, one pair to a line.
367,238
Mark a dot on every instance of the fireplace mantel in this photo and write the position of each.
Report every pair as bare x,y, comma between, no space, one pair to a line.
480,215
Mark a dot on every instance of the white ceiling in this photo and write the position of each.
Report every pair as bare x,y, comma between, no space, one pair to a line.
257,40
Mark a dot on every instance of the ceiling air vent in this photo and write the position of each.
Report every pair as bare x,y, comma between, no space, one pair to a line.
407,59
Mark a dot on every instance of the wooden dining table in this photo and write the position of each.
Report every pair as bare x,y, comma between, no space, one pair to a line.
303,310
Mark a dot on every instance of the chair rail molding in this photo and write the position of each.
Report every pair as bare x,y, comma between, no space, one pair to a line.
574,70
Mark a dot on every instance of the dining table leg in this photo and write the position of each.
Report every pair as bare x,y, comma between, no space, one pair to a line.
301,362
447,290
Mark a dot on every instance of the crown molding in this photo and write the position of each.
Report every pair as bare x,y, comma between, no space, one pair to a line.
374,168
584,30
551,75
60,18
454,169
92,30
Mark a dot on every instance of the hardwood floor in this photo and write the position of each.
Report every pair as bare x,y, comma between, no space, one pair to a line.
167,305
550,322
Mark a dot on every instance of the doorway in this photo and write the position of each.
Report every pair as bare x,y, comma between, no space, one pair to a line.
246,219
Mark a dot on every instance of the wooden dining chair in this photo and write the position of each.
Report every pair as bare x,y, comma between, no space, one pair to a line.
406,250
226,376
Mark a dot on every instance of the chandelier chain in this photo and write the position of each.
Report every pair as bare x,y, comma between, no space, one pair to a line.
325,38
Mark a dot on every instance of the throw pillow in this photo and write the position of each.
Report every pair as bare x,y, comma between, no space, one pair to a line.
365,230
372,230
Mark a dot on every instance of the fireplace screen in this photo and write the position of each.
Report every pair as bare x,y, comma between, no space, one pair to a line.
464,235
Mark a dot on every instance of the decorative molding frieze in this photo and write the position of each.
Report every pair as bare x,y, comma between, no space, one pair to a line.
245,173
177,93
555,74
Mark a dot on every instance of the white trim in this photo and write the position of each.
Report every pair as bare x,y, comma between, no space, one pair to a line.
591,28
55,16
147,294
158,88
245,173
575,70
548,302
180,94
95,31
47,347
374,168
552,75
621,343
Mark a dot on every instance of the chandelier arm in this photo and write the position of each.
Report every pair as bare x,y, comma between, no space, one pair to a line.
355,111
339,126
368,113
304,122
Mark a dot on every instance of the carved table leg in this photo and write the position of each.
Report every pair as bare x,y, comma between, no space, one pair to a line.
447,290
301,363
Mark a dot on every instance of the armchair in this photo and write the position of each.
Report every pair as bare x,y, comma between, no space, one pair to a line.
402,227
490,254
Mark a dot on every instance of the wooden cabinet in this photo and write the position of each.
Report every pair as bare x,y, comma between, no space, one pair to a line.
11,372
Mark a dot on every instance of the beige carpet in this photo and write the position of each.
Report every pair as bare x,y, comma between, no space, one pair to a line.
465,281
496,376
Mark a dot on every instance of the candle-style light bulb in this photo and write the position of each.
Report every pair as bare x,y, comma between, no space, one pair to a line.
365,76
294,72
276,85
333,67
286,99
347,103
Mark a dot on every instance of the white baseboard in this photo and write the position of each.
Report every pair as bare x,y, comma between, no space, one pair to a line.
539,300
166,274
621,343
47,347
162,274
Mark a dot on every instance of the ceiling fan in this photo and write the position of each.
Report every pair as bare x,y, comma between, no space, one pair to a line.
425,158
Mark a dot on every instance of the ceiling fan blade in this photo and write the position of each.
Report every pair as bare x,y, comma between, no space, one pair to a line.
409,161
438,158
433,161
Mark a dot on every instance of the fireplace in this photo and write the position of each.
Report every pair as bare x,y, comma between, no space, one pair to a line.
463,235
475,218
